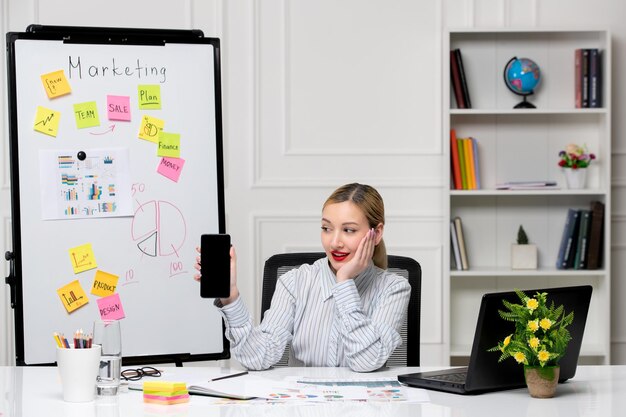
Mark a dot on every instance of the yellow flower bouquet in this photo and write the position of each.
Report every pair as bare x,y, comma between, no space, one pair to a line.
540,337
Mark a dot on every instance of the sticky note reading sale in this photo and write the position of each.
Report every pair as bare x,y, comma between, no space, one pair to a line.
82,258
150,128
104,284
111,307
149,96
56,84
47,121
72,296
169,145
86,114
118,108
171,168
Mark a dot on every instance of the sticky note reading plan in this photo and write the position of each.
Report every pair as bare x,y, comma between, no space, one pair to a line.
82,258
86,114
150,128
111,307
118,108
149,96
72,296
169,145
104,284
47,121
171,168
56,84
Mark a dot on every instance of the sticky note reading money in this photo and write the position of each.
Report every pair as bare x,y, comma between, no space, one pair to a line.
171,168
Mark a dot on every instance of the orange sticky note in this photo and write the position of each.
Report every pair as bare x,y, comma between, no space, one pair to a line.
104,284
150,128
47,121
72,296
82,258
55,84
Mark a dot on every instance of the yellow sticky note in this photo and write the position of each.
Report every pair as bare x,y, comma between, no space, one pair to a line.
150,128
47,121
169,145
72,296
56,84
86,114
82,258
149,96
104,284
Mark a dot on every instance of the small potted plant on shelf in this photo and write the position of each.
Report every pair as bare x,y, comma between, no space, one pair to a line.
575,160
538,342
523,254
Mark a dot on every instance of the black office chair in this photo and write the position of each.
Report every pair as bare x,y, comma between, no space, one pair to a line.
407,354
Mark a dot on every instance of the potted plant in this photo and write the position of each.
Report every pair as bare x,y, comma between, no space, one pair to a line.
523,254
575,160
538,342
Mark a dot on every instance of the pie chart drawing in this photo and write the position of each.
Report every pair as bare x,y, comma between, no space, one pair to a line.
159,228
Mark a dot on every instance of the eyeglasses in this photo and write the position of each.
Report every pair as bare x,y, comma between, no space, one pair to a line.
137,374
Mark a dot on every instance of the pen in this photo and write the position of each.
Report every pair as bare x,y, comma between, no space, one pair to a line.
230,376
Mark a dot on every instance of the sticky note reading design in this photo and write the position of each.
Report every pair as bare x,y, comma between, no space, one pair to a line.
111,307
150,128
104,284
47,121
169,145
171,168
56,84
86,114
82,258
149,96
118,108
72,296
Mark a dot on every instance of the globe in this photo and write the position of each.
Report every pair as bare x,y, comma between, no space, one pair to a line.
521,76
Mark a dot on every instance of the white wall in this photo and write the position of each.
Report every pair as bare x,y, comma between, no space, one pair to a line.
320,93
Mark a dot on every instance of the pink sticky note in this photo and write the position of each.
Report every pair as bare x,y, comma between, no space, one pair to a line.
111,307
118,107
171,167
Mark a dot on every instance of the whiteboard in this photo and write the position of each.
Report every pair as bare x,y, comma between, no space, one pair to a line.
152,248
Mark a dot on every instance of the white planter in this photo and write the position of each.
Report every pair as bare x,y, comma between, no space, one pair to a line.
575,178
523,256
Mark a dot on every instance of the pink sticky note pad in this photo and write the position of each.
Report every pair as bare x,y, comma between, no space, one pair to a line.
118,108
111,307
171,167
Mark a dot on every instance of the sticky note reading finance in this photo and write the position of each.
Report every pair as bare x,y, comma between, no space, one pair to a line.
118,108
171,168
72,296
169,145
111,307
47,121
149,96
56,84
150,128
104,284
82,258
86,114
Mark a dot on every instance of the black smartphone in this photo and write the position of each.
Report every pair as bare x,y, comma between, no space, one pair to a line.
215,266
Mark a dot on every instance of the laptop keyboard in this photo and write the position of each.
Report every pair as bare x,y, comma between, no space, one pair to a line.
458,377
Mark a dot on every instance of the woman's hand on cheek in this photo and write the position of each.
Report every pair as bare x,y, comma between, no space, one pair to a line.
361,258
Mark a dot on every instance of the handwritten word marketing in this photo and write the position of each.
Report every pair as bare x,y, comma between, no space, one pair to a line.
80,69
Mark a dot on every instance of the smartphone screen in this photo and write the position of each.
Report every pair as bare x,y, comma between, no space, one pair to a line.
215,266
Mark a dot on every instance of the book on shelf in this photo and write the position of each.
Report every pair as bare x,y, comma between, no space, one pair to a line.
585,78
476,163
595,78
582,247
528,185
462,168
596,236
464,88
465,169
456,254
578,71
469,163
455,79
458,225
454,161
565,257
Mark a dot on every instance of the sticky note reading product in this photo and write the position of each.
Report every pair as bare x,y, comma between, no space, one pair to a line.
171,168
149,96
169,145
86,114
56,84
118,108
111,307
150,128
47,121
104,284
72,296
82,258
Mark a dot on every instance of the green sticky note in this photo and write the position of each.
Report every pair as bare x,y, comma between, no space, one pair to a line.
169,145
149,96
86,114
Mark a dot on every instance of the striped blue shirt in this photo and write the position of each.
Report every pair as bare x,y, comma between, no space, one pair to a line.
355,323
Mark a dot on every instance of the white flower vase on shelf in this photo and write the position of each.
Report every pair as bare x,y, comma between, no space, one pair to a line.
575,178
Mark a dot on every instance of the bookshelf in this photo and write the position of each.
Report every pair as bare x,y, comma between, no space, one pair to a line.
523,145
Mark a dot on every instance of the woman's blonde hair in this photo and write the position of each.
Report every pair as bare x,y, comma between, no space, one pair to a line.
371,204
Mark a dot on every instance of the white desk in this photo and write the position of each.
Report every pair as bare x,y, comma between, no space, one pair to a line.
594,391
